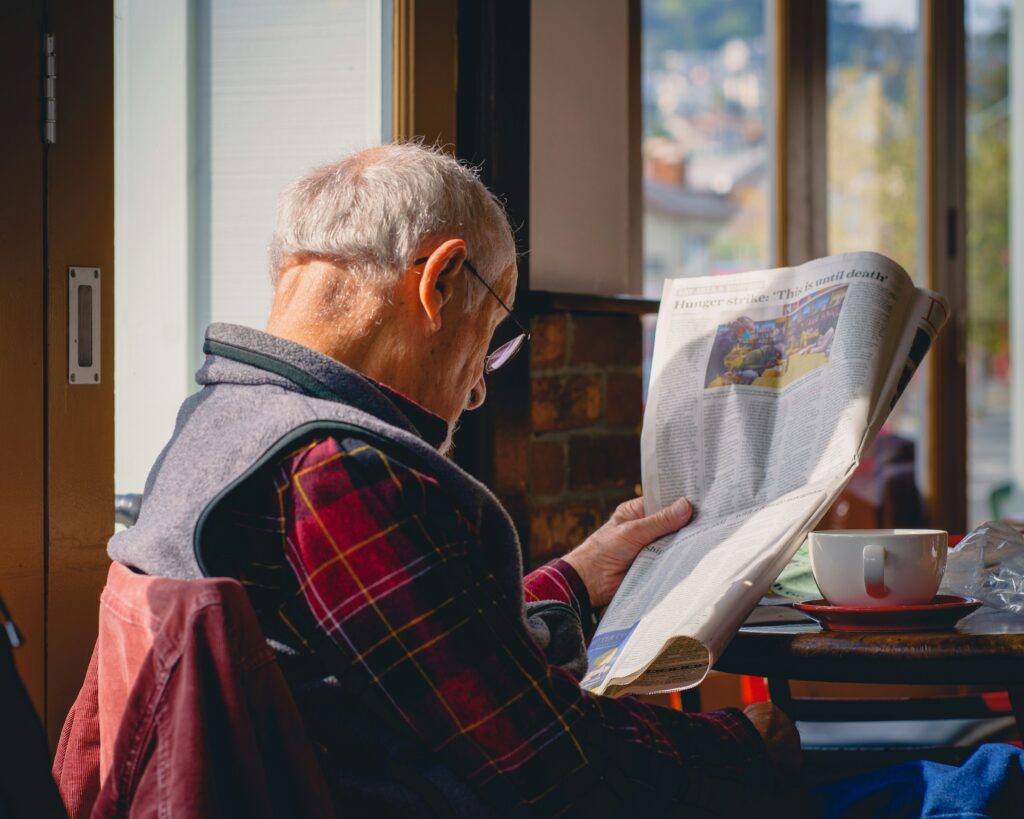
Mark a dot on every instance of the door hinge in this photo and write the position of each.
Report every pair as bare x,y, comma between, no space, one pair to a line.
50,91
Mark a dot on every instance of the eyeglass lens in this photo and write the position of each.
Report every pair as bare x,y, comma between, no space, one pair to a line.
499,358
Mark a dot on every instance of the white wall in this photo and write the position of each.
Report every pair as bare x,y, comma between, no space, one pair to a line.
585,199
219,103
152,254
288,84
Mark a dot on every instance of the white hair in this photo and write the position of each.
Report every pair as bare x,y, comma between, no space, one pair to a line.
374,210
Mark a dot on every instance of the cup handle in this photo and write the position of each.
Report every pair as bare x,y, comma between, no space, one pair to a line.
874,570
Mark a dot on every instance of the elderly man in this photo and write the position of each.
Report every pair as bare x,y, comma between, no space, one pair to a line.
311,466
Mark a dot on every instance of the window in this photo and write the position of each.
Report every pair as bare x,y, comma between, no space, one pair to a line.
219,105
706,142
706,100
708,105
872,127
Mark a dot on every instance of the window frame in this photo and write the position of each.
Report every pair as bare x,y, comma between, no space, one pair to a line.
943,242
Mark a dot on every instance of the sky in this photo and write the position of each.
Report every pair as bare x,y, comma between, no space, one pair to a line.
904,13
889,12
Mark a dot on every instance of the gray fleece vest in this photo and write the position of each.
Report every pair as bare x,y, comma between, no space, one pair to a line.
253,403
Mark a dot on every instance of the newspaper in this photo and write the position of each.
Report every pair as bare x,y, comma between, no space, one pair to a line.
766,390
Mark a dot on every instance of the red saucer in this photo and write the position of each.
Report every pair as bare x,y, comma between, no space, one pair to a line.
941,614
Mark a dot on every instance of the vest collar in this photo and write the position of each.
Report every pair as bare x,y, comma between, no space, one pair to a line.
229,345
432,428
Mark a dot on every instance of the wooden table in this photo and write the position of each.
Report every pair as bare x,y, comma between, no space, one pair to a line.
986,648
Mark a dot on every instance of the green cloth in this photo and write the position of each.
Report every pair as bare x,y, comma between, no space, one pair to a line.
796,579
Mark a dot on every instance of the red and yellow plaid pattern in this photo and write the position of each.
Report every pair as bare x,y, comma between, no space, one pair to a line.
370,542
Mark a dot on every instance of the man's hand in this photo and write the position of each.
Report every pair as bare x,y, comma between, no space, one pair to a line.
779,734
603,559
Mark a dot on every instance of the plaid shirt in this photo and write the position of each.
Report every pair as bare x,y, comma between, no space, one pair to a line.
367,541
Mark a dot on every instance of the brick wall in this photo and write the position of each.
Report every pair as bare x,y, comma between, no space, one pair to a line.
583,445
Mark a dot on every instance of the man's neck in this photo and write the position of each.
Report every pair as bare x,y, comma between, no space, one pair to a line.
306,308
373,357
367,360
316,305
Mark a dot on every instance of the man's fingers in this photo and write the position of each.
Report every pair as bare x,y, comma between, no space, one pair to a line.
670,519
633,509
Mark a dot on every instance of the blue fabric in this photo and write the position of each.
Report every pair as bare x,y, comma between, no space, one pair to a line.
989,784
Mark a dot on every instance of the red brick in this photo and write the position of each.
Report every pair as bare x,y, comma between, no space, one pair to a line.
547,341
602,461
511,467
547,467
557,528
565,402
607,340
623,400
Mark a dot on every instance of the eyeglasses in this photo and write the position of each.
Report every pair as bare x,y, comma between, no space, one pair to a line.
500,356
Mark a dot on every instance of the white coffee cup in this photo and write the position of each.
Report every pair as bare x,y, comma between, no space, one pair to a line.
878,567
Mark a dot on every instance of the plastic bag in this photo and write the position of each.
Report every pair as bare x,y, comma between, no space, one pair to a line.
988,564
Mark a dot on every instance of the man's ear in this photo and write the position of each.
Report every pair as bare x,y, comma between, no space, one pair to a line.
438,277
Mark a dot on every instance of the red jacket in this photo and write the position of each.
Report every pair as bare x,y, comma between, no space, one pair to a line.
184,711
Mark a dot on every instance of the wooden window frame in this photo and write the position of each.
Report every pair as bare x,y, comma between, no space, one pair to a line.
425,66
800,66
943,239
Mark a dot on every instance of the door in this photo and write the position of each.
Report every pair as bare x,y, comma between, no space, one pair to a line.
56,211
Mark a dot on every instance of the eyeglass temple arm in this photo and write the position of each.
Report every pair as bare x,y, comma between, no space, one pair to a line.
490,290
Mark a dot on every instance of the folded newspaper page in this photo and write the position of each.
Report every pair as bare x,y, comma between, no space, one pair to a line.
766,389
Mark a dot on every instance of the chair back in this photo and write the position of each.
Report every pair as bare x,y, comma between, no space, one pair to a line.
185,711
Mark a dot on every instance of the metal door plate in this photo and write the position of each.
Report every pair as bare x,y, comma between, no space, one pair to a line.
84,325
